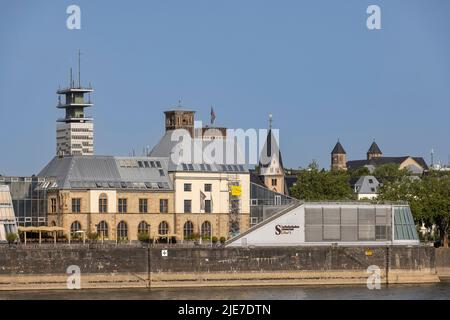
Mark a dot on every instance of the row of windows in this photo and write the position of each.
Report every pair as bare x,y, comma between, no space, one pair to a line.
143,227
207,167
206,206
103,205
81,130
140,164
123,205
207,187
81,137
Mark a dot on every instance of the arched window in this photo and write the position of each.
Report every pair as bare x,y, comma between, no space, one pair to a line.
143,227
74,227
102,229
53,223
122,230
188,229
206,229
163,228
103,203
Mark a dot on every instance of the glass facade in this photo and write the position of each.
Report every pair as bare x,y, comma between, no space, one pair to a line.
29,201
265,203
404,224
347,223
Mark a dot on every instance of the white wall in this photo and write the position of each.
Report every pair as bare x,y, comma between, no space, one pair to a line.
219,194
267,235
93,200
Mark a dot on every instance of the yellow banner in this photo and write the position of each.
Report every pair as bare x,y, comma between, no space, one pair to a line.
236,191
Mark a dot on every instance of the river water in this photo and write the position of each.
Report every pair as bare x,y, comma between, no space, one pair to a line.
392,292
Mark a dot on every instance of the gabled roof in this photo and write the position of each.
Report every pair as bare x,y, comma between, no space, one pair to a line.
355,164
107,172
270,149
374,148
338,149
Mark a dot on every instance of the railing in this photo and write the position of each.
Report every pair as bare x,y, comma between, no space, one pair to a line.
109,244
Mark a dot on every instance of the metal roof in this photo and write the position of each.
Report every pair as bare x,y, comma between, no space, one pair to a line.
103,172
169,149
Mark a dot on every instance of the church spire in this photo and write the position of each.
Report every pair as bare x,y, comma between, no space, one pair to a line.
374,151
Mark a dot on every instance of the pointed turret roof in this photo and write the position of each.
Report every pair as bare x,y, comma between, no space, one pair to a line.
374,148
338,149
270,149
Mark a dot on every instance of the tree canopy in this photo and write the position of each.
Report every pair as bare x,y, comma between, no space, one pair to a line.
314,184
429,199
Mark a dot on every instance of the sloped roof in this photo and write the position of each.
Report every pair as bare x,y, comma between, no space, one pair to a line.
338,149
256,178
367,185
374,148
270,149
92,172
378,161
169,147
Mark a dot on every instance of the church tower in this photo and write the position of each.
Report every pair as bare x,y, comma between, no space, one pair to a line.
374,151
75,132
180,118
271,163
338,157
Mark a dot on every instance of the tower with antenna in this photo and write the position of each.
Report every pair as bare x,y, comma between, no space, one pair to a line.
75,132
432,158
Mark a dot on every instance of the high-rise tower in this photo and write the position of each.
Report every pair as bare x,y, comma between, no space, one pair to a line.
75,132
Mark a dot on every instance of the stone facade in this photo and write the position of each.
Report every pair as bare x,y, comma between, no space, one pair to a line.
62,212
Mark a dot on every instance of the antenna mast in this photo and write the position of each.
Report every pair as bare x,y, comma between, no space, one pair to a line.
432,156
79,68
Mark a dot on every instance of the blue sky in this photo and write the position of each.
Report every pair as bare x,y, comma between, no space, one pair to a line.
313,64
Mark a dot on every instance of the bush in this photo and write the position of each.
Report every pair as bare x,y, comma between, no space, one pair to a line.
11,237
222,240
214,240
195,236
143,237
92,236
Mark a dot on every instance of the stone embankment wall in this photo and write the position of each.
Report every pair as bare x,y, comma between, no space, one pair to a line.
140,266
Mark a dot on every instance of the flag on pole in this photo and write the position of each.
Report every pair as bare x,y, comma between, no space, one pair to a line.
202,201
213,115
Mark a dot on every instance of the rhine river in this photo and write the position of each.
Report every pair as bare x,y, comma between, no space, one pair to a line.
392,292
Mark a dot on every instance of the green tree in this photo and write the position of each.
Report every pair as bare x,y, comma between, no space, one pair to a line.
429,199
314,184
362,171
390,172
